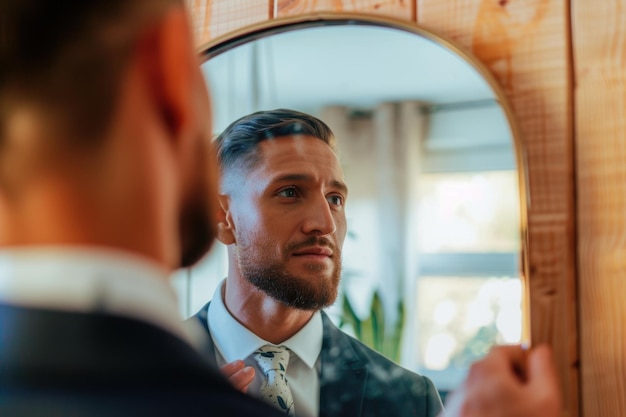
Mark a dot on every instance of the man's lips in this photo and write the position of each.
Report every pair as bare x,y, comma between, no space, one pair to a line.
314,251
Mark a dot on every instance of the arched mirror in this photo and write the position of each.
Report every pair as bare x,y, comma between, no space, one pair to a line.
432,265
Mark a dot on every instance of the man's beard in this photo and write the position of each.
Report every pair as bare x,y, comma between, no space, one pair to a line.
196,223
302,293
197,231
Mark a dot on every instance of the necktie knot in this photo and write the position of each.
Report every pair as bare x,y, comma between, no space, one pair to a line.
274,358
273,361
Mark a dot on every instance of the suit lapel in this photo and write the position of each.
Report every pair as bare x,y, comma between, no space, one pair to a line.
343,375
206,346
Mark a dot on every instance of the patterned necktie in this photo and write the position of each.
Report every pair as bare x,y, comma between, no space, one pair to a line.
273,361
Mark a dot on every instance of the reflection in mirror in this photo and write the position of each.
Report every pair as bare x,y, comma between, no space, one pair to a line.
431,261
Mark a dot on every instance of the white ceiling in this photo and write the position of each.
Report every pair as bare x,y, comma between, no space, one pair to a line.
356,66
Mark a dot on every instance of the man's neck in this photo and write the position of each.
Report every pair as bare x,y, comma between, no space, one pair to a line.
64,211
263,315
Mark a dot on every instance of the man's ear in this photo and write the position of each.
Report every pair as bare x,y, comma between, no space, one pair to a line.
225,224
173,73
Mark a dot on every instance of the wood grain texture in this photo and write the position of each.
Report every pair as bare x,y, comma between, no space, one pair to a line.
403,9
213,18
599,34
525,43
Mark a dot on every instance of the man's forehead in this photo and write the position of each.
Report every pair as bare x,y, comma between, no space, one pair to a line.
298,158
297,140
297,149
295,177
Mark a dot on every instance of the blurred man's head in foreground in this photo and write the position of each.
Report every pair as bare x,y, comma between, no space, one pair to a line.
104,129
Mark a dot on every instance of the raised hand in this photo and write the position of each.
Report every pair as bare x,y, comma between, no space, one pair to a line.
509,382
238,374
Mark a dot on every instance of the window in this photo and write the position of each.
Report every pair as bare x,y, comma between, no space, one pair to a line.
467,290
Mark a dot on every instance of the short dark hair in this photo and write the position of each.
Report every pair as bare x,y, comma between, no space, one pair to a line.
236,145
66,58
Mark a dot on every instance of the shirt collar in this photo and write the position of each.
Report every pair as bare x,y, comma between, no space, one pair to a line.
90,280
234,341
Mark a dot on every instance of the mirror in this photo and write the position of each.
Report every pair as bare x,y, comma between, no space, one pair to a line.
431,264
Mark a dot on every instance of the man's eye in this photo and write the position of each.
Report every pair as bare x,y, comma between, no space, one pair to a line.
288,192
336,200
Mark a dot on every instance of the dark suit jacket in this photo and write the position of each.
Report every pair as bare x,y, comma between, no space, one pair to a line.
55,363
357,381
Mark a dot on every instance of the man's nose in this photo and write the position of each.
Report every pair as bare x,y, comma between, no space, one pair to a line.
319,217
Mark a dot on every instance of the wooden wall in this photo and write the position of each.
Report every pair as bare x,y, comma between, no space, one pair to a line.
563,67
599,40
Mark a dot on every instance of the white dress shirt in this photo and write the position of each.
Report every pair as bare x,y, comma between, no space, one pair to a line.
82,280
233,342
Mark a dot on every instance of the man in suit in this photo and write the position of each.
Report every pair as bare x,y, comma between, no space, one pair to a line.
282,216
107,184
